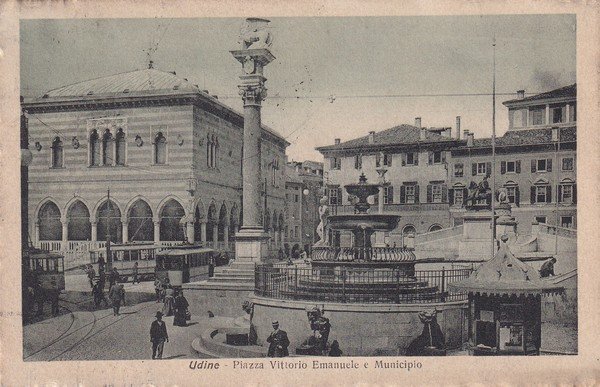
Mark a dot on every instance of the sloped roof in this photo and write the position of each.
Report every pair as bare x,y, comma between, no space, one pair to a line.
505,275
398,135
527,137
563,92
144,81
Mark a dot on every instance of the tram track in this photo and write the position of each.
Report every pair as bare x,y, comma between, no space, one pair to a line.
91,331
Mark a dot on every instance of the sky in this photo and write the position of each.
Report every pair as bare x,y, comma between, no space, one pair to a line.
332,77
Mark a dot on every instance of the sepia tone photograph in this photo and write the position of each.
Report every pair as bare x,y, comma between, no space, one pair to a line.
339,186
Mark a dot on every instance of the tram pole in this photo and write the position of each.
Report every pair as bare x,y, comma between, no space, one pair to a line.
108,256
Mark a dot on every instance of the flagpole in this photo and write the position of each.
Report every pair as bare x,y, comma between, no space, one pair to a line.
493,199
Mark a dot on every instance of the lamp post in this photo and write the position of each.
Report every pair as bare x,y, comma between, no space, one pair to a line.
556,140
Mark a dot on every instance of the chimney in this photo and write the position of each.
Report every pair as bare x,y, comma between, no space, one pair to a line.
465,133
418,122
423,134
337,141
520,94
458,127
470,138
371,137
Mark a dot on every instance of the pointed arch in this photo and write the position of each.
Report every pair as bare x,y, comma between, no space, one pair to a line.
108,216
170,215
79,226
267,220
199,219
223,222
234,219
165,200
212,221
140,218
49,218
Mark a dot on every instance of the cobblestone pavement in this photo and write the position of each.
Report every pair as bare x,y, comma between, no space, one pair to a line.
82,333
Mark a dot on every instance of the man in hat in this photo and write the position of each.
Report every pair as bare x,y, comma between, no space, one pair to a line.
278,342
158,336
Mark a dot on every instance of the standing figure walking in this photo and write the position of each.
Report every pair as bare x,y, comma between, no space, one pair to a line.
181,308
158,336
135,273
158,288
98,292
116,295
113,277
278,342
169,303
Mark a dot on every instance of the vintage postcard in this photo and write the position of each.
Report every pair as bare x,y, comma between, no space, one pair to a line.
237,194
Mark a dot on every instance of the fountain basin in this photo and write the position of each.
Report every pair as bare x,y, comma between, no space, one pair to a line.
377,222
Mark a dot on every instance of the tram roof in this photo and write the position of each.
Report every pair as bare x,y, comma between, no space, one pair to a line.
126,247
184,251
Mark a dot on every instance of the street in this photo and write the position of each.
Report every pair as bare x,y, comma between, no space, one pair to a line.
81,333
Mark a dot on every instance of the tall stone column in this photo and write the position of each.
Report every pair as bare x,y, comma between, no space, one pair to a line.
203,231
251,241
125,227
65,231
94,231
156,230
190,232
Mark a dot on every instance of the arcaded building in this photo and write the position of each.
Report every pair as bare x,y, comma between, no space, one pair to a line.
168,154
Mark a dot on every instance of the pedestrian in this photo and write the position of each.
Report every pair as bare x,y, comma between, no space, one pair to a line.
547,268
169,303
115,294
278,342
158,336
91,273
53,296
135,273
98,292
157,288
181,310
113,277
211,267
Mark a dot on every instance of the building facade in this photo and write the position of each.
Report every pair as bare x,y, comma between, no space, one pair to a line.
304,190
429,171
168,154
415,159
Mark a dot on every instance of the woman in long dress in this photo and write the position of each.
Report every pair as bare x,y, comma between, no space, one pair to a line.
181,307
169,301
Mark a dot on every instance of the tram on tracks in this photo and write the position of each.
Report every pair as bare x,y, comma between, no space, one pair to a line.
182,264
46,268
124,256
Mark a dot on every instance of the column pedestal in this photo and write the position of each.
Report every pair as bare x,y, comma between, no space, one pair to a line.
251,245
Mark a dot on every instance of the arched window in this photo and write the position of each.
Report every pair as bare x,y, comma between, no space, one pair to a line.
107,148
435,227
160,149
57,153
109,216
208,151
233,221
95,148
222,223
171,228
120,147
50,224
409,229
141,227
215,151
79,226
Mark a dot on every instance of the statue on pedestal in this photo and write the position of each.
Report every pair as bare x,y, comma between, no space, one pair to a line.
322,227
431,341
478,193
316,344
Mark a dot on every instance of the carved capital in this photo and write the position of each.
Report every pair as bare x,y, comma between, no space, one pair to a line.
253,94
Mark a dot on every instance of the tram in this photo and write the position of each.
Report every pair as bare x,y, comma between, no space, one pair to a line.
46,268
182,264
124,256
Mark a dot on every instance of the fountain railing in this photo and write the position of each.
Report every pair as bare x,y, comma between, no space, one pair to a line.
362,254
358,285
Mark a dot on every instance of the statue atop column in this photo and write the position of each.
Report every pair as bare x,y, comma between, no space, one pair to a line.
254,34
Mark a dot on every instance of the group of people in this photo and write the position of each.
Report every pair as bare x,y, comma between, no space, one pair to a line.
279,343
34,294
174,302
116,291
